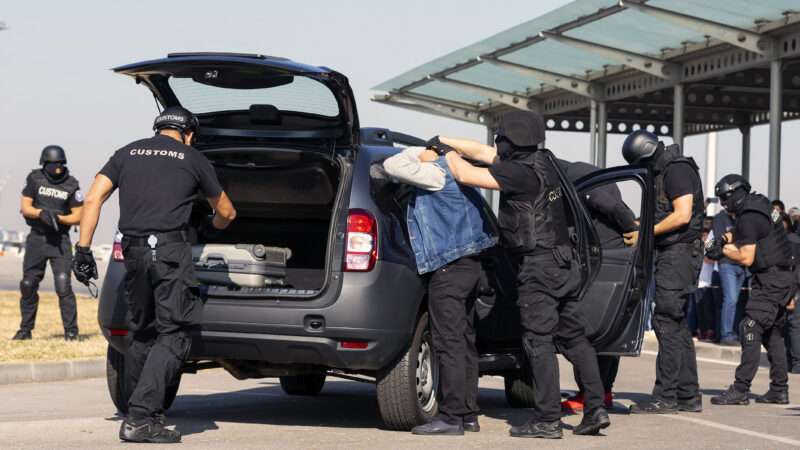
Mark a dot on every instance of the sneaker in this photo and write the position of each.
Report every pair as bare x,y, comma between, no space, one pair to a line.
149,431
654,406
608,400
731,341
692,404
71,336
22,335
438,427
592,423
573,405
774,397
731,397
533,429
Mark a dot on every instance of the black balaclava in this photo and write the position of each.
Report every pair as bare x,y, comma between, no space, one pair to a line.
734,201
55,171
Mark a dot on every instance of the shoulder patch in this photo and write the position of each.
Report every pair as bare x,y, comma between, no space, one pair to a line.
78,196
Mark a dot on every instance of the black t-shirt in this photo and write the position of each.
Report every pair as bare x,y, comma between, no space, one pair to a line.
59,197
158,178
751,227
517,181
681,179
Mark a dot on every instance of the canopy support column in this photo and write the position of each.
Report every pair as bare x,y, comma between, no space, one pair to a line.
711,167
593,132
745,150
492,197
677,116
602,133
775,117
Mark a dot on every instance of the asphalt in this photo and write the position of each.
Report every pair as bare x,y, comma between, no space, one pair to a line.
213,410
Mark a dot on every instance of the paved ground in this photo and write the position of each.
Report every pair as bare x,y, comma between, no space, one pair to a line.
214,410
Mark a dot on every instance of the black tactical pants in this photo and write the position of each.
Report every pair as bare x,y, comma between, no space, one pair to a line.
677,271
608,367
763,324
40,248
162,304
550,316
451,300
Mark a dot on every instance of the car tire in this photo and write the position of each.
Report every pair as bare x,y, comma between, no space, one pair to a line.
310,384
407,391
115,378
519,389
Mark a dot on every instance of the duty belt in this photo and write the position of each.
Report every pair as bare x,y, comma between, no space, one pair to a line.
156,239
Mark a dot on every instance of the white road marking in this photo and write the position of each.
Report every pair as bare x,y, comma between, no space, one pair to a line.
708,360
720,426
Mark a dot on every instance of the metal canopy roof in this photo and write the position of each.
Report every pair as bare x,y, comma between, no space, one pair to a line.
628,55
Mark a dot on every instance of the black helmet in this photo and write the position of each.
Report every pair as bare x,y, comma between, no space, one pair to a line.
522,128
176,118
731,191
53,154
640,145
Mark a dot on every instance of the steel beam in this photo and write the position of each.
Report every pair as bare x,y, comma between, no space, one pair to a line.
642,63
559,80
495,95
419,105
602,134
745,151
739,37
593,132
775,118
677,115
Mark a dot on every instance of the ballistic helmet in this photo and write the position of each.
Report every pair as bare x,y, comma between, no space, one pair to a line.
176,118
731,191
640,145
521,128
53,154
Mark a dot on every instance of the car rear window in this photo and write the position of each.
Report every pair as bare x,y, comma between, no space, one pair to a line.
304,95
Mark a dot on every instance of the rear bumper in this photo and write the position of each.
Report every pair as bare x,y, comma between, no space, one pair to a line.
378,307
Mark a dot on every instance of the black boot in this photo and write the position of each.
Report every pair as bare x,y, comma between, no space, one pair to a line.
148,431
593,422
438,427
774,397
533,429
655,406
731,397
71,336
471,424
22,335
693,404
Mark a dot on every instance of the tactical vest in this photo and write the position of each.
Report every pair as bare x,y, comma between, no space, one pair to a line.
775,249
53,196
527,226
664,205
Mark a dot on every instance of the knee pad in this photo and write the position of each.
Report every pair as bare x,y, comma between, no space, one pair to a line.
749,331
28,287
63,285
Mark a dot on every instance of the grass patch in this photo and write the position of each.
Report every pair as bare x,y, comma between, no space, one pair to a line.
48,337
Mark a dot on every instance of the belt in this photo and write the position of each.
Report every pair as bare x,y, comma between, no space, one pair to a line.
155,239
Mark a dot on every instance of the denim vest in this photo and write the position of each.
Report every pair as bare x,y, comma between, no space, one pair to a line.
448,224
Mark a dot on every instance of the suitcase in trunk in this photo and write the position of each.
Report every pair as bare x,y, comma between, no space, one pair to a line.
240,265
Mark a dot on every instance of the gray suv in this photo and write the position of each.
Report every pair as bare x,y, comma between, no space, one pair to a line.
286,143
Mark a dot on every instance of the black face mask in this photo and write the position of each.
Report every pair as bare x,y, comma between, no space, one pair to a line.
733,201
505,149
55,171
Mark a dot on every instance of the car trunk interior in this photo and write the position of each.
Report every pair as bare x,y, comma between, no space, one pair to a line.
283,198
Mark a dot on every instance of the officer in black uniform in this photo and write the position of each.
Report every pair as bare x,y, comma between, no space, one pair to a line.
612,218
679,258
534,221
759,243
51,204
158,179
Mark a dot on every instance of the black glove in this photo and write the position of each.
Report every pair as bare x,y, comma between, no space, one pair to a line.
49,219
83,265
714,249
436,145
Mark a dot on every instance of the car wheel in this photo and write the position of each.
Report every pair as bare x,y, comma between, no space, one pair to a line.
519,389
115,378
407,391
303,384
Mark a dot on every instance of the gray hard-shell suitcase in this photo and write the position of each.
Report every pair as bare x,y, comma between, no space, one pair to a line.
240,265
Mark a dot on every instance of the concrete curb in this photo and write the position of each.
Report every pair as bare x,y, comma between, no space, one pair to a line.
38,372
708,350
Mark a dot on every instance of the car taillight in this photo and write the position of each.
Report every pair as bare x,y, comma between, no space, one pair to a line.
361,250
116,251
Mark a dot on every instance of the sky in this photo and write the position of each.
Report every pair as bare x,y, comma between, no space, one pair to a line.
56,86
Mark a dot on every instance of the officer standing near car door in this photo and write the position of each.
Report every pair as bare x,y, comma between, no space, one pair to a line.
679,258
534,220
759,242
158,179
51,204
